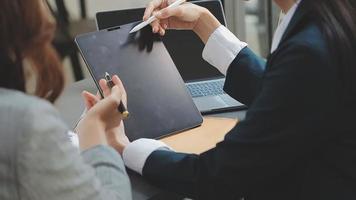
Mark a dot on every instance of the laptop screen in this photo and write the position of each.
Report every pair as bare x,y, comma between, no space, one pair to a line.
185,47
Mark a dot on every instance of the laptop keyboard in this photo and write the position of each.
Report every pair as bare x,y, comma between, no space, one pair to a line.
210,88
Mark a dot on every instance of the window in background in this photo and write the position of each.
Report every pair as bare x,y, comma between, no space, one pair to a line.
261,18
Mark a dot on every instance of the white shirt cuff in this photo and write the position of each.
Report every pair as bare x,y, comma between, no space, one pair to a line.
73,138
136,153
222,48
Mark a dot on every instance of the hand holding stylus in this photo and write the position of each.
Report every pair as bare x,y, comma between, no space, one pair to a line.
154,18
186,16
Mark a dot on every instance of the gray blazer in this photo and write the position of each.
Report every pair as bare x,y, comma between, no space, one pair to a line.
37,160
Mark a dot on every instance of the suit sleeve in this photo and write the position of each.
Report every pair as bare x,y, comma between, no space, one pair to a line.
232,57
277,133
244,76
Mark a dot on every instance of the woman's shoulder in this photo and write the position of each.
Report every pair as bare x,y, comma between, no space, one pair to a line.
21,111
16,102
311,37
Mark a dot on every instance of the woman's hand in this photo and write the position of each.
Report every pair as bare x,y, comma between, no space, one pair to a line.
117,138
102,123
187,16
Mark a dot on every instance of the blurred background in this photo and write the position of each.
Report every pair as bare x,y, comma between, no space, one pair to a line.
252,21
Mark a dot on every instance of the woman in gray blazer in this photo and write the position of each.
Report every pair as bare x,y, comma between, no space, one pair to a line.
37,160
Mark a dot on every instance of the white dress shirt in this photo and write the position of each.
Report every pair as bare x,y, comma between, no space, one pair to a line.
220,50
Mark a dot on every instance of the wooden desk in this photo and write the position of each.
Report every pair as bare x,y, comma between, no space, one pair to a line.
198,140
203,138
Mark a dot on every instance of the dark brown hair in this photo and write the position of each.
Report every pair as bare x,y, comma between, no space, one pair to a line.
26,32
337,19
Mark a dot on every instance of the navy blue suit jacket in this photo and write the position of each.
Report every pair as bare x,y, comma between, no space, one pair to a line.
298,140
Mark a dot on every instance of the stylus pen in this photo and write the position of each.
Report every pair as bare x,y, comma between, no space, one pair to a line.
122,109
153,18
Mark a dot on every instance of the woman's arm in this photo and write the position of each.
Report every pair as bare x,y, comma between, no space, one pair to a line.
49,167
244,76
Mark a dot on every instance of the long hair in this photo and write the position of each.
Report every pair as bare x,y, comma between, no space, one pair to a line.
337,19
26,33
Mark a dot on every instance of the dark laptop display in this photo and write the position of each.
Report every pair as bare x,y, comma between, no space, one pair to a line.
187,57
158,105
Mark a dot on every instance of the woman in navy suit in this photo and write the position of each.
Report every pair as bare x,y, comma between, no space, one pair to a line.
298,140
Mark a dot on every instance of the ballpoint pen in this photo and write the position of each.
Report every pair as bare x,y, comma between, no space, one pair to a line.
122,109
153,18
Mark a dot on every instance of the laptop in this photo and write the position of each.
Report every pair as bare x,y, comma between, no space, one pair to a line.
203,81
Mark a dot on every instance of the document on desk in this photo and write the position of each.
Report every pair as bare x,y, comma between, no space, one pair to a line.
158,100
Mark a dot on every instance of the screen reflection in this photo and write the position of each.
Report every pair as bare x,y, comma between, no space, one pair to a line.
143,38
